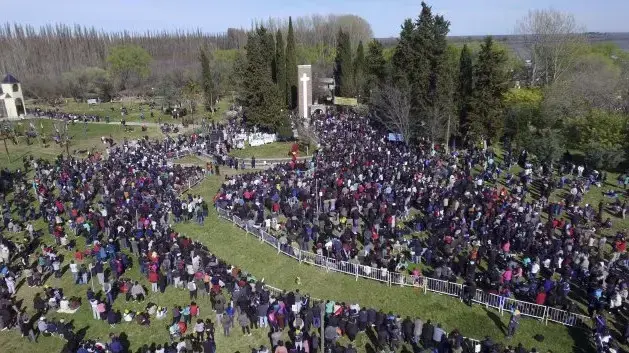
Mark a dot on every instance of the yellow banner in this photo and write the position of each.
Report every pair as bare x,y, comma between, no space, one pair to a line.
345,101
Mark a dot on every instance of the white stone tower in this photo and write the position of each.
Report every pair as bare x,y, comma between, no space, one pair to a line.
11,98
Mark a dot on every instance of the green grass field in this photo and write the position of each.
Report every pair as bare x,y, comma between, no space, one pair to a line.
270,150
191,160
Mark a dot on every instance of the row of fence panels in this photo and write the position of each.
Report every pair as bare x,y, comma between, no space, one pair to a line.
490,300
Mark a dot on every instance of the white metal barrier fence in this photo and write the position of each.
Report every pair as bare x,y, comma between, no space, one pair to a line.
490,300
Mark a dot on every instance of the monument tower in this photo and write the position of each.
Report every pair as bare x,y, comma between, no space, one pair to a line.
304,90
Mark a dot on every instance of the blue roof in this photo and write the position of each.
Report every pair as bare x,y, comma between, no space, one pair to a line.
10,79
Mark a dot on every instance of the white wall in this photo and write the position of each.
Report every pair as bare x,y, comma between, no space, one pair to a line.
9,103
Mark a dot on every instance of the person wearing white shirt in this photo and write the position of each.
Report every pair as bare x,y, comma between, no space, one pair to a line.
74,268
535,269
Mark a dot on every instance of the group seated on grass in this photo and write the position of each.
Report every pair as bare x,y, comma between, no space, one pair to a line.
463,214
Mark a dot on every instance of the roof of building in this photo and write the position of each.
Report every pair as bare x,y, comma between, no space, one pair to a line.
10,79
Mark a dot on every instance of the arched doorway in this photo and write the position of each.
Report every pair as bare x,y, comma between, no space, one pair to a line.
19,106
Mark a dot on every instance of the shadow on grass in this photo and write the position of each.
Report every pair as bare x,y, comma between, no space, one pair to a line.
496,319
583,342
72,345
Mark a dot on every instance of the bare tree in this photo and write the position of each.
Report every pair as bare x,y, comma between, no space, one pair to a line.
594,82
553,39
392,108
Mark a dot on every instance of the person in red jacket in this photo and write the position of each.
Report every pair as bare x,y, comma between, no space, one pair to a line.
154,278
620,247
540,299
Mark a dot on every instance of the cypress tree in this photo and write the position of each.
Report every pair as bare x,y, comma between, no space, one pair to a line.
403,55
268,45
375,67
261,99
359,70
207,84
421,63
343,68
465,88
490,85
280,64
291,67
375,63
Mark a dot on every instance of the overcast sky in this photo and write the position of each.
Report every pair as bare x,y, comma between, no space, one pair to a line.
467,17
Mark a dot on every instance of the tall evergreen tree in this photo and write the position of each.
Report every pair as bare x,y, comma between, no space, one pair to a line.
403,56
291,67
490,86
465,89
375,63
268,43
419,63
207,83
343,66
375,67
280,64
359,70
422,62
261,97
440,105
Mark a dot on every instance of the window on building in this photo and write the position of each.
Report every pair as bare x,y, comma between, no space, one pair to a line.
16,87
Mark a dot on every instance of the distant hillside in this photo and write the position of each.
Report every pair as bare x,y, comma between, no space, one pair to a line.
517,42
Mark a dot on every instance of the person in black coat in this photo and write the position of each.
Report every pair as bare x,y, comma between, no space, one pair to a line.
407,329
363,319
371,316
383,336
351,329
427,333
380,317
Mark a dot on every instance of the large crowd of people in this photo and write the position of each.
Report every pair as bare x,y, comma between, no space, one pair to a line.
354,201
463,214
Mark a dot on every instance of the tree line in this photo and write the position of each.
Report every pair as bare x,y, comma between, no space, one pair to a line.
564,95
45,59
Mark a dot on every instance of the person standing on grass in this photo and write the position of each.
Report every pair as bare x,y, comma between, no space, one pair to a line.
100,272
176,314
192,287
219,306
108,288
27,329
185,313
74,269
244,322
231,313
513,323
94,306
199,329
154,279
226,323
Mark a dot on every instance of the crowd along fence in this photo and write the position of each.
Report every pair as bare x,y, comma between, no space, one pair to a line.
426,284
277,292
